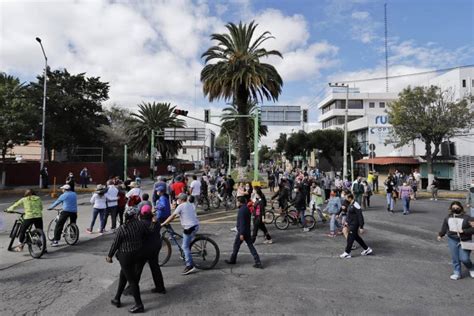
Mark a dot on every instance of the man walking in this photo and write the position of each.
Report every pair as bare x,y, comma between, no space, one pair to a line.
84,177
112,204
243,234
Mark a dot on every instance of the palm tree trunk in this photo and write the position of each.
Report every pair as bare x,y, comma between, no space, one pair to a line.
242,104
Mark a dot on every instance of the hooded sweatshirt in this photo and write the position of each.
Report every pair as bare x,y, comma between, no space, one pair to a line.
31,204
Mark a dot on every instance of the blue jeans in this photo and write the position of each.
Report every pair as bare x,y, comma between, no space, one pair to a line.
301,213
187,238
406,204
101,213
472,211
459,255
333,223
389,201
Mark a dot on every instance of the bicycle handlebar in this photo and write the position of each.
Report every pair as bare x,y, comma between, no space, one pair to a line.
14,212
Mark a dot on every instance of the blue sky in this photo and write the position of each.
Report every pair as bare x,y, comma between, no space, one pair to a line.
150,50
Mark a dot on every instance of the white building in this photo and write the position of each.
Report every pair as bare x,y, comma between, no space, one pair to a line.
368,121
199,151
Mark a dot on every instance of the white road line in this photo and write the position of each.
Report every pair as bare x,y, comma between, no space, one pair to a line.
219,218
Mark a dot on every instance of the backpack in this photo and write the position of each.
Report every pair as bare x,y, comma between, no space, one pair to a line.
134,200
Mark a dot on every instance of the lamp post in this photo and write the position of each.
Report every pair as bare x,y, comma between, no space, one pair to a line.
43,125
344,154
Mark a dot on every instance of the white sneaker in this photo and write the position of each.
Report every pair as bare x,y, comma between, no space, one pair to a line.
345,255
233,229
431,199
270,241
367,252
306,229
54,243
455,276
471,273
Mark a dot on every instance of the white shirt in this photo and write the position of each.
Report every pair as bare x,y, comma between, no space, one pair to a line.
99,202
134,191
187,215
112,196
195,187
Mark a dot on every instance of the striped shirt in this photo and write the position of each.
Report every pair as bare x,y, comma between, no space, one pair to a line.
129,237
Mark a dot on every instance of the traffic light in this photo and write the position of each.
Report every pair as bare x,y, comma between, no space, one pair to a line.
305,116
180,112
207,115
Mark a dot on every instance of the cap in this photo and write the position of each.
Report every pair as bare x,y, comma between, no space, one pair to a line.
146,209
182,197
66,187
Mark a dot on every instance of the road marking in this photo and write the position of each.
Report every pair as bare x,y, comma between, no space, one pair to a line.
219,218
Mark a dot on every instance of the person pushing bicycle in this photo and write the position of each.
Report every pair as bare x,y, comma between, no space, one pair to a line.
69,201
33,207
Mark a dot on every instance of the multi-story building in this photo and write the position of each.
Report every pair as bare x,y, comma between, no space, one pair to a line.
199,151
368,121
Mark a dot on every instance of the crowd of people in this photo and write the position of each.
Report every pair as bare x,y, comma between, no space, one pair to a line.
137,220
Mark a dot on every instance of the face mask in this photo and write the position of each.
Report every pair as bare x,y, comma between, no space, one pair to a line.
456,210
295,190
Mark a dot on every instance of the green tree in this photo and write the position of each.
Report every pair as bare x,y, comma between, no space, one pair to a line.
115,131
281,143
74,113
430,115
296,145
234,71
18,120
266,154
157,117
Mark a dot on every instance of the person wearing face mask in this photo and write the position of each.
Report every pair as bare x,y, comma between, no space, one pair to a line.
300,205
260,202
457,227
470,199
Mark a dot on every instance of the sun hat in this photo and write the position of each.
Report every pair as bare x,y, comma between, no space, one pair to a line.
66,187
134,185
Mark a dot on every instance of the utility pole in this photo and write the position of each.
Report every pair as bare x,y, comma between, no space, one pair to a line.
43,125
344,154
152,155
125,162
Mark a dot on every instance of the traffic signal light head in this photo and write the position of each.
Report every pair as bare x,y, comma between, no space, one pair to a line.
180,112
305,116
207,115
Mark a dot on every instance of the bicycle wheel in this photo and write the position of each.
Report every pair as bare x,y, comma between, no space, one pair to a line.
36,241
71,234
215,201
282,222
165,252
205,252
269,217
309,221
50,231
14,233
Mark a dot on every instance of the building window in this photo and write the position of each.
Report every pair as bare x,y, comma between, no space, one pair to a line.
184,151
464,83
371,104
381,104
472,83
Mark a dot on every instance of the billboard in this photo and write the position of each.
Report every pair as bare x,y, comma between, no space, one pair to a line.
281,115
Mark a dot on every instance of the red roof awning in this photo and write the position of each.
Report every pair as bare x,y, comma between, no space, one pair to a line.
383,161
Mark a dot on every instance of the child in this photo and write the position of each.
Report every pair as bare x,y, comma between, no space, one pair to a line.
333,207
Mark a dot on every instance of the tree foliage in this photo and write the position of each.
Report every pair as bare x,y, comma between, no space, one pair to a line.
281,143
18,120
428,114
234,71
116,130
157,117
74,113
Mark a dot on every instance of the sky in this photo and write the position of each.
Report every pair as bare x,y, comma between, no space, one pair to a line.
151,50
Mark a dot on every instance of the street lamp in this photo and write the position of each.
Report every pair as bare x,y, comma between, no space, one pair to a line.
43,125
344,154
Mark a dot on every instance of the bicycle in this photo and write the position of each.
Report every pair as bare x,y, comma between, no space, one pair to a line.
204,257
35,239
269,216
214,200
288,217
230,201
70,230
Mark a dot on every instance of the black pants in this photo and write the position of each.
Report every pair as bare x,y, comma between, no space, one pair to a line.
354,236
112,211
151,256
128,273
38,222
62,220
238,242
327,192
259,224
120,211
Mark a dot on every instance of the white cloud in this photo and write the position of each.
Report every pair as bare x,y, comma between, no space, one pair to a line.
360,15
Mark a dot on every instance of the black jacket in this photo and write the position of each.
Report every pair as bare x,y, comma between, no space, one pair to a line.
456,221
243,221
283,194
152,242
355,219
300,201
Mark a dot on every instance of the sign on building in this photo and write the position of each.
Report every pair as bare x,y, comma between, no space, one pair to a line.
281,115
185,134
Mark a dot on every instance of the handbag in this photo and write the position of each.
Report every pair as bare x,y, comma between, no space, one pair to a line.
466,245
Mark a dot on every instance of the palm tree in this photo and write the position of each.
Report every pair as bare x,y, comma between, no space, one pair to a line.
157,117
230,123
234,72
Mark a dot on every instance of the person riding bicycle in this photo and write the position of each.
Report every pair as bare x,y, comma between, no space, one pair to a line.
282,195
33,207
204,192
300,205
190,224
69,201
228,187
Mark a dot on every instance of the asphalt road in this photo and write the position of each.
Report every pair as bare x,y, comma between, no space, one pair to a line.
303,275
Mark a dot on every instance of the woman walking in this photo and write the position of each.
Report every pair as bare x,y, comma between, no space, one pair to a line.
127,244
260,202
333,208
456,226
406,193
99,204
